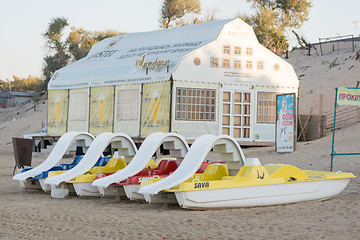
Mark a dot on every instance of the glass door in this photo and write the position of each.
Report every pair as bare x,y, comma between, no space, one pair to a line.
236,114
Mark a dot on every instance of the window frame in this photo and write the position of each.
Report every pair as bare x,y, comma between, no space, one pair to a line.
217,60
260,63
249,65
124,104
195,104
262,117
237,62
227,50
227,61
78,112
237,51
249,51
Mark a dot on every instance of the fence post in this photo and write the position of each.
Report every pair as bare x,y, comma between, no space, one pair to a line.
333,135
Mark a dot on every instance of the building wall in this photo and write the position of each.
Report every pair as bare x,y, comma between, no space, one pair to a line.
243,66
265,131
17,100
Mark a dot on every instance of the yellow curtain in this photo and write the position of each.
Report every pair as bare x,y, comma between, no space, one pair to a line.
101,110
155,108
57,112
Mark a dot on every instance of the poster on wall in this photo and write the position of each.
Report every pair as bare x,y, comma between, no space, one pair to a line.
57,112
155,108
285,123
101,110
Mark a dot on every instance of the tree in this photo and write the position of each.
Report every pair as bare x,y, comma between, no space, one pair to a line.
23,84
80,40
63,50
268,34
274,18
174,11
58,55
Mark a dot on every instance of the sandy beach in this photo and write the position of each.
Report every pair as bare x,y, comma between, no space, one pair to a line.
35,215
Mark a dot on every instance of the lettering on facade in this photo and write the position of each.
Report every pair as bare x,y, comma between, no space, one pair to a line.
103,54
155,65
237,34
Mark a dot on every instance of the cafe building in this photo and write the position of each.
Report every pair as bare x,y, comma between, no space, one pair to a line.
206,78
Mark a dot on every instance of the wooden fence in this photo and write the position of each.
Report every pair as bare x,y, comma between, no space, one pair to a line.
345,116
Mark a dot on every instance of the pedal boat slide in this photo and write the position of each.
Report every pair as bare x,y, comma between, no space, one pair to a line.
33,178
253,185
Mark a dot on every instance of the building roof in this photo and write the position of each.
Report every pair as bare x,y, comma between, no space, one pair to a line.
5,94
22,94
8,94
136,56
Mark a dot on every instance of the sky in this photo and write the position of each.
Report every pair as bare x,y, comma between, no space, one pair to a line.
22,22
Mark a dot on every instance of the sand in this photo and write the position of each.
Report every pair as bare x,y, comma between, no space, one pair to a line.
318,77
35,215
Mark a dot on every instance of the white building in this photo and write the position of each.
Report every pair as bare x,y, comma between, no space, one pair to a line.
211,77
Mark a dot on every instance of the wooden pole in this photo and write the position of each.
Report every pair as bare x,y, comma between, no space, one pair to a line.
321,105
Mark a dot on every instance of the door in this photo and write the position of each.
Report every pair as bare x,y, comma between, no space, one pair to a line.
236,116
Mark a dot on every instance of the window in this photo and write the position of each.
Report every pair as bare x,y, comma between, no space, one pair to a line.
237,64
226,50
249,65
79,103
237,51
260,65
266,107
249,52
195,104
226,63
127,104
214,62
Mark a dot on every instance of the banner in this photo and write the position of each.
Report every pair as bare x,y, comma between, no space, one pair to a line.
101,110
348,96
57,112
155,108
285,122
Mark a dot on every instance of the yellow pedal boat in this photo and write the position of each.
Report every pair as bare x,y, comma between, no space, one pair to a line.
258,185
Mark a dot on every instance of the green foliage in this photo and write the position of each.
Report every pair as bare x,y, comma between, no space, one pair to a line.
58,55
23,84
63,50
174,11
54,33
80,40
287,13
274,17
